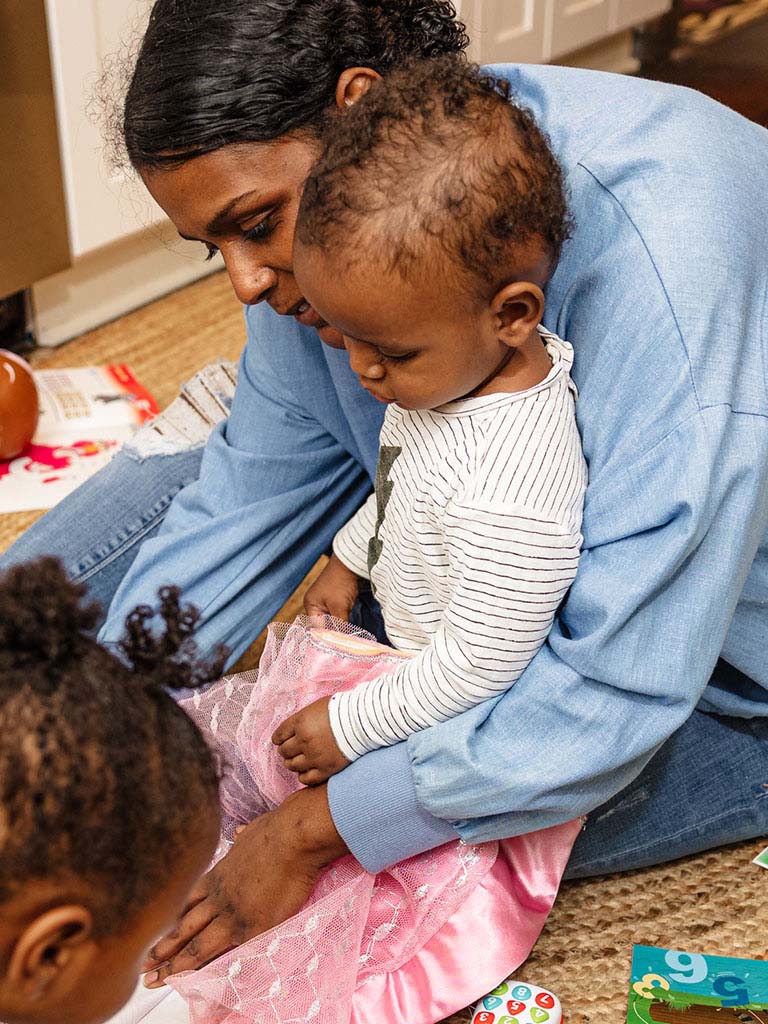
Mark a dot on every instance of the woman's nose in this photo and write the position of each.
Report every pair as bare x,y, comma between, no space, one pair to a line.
364,359
252,282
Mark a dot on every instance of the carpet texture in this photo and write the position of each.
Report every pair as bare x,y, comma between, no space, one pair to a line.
712,903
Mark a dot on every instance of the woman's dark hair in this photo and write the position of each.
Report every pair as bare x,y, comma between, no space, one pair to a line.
212,73
102,776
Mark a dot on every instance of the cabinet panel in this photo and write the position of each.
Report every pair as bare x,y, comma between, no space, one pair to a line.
625,13
33,220
576,23
102,206
509,30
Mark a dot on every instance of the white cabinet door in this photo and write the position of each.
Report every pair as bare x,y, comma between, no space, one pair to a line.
626,13
576,23
102,206
505,30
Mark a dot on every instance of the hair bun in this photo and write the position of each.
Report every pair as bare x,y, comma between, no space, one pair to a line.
43,617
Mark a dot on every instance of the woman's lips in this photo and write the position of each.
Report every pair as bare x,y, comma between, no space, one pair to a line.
308,316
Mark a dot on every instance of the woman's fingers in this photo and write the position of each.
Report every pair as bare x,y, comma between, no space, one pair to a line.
298,764
313,777
193,922
211,942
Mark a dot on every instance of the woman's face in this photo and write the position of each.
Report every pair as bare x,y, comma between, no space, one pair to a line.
243,200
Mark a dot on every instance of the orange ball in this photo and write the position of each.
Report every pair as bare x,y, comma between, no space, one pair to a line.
19,406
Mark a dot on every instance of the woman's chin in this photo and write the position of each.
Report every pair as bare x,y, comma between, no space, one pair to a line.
331,337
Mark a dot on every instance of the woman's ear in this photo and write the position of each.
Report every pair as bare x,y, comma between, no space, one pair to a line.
47,949
353,84
517,310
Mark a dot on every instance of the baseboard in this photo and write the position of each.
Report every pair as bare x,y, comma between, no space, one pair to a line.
114,280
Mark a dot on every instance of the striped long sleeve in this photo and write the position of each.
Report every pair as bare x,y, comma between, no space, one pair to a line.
509,571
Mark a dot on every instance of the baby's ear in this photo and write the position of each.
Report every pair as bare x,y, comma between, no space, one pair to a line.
54,945
517,310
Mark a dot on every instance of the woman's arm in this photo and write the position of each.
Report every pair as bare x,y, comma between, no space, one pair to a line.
266,877
275,485
669,541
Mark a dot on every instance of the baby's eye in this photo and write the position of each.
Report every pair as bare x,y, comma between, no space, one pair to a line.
384,358
212,250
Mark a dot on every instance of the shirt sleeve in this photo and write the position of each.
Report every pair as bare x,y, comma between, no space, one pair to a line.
511,569
668,543
274,487
350,544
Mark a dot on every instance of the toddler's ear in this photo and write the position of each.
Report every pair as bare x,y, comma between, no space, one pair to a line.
353,84
49,949
517,310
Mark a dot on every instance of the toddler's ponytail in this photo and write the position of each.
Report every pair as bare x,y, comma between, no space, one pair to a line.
168,657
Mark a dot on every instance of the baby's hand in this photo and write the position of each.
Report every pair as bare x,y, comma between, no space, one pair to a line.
334,592
306,744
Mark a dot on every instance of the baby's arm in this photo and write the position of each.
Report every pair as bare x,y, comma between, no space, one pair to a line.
305,740
335,590
509,570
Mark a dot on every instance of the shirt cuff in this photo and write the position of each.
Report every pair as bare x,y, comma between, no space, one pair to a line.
374,807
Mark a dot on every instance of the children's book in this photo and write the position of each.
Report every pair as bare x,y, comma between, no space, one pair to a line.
85,415
669,986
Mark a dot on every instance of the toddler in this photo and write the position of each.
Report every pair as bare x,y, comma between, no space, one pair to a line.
108,798
426,234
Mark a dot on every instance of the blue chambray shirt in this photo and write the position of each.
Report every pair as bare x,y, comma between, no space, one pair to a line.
663,293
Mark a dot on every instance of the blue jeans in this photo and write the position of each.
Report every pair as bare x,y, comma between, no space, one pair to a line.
707,786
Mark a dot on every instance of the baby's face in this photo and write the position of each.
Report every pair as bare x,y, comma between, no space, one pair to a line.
420,346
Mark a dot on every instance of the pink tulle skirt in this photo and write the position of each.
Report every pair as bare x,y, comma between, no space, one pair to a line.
410,945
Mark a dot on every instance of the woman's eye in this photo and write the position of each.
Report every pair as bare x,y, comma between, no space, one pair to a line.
260,231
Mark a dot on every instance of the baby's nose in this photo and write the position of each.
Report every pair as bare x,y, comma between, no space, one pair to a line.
363,359
375,371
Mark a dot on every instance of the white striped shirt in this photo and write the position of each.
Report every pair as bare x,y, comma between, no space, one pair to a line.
474,529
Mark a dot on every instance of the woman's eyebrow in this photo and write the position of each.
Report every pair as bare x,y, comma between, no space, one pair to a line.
219,221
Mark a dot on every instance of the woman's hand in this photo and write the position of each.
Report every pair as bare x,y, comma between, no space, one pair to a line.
265,878
334,592
306,743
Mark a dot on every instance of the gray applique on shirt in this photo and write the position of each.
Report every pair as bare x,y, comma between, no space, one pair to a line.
383,489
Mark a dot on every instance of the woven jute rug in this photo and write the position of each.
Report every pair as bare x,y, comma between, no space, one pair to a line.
714,903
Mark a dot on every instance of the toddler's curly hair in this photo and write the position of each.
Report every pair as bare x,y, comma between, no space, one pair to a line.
102,775
437,167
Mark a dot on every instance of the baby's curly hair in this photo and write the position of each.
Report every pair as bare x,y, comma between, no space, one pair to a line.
102,775
437,167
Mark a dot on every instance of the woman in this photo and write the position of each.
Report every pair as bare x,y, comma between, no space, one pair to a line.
659,647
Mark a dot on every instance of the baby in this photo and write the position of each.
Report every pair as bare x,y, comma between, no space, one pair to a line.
109,799
427,232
